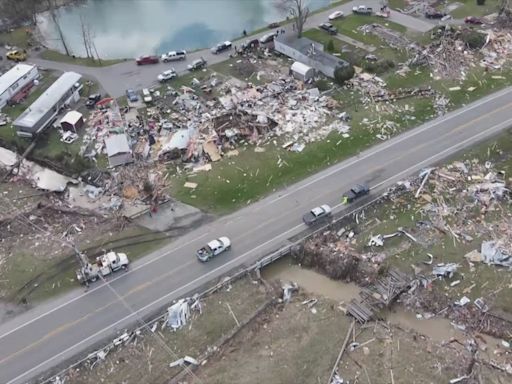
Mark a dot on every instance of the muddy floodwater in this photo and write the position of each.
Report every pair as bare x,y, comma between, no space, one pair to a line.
436,328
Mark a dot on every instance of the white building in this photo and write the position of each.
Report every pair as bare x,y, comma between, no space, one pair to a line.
302,71
308,52
14,80
43,112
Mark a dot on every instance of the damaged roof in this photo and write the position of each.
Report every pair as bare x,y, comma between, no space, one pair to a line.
116,144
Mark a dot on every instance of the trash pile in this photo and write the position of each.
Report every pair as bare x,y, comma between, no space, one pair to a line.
128,190
449,57
103,122
393,38
333,254
497,49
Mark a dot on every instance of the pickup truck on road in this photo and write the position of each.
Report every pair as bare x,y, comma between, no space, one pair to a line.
104,266
356,192
362,10
213,248
317,214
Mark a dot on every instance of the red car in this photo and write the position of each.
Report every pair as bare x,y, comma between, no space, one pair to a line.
147,60
473,20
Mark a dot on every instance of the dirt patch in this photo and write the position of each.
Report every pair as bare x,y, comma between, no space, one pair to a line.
287,344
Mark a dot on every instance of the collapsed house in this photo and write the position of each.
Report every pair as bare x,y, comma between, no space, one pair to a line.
118,150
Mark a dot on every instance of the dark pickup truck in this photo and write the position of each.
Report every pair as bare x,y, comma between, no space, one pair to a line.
356,192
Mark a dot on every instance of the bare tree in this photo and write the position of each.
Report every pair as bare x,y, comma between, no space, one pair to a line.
88,40
52,6
298,10
86,37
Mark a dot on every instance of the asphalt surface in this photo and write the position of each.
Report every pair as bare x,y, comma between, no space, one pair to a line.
116,79
39,339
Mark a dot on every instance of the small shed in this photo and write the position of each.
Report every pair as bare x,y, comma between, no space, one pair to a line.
72,121
118,150
302,71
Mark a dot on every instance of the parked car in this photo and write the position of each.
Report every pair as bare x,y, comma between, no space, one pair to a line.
174,56
16,55
336,15
434,15
132,96
473,20
362,10
329,28
142,60
316,214
273,25
221,47
267,38
92,100
213,248
69,137
356,192
250,44
167,75
197,64
146,95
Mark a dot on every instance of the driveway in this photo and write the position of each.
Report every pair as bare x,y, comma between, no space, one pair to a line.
117,78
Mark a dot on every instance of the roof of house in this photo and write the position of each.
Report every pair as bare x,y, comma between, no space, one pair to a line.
13,75
117,144
47,100
312,49
72,117
300,68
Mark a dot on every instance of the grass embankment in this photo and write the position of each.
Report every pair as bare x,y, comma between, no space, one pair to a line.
17,38
35,277
471,8
60,57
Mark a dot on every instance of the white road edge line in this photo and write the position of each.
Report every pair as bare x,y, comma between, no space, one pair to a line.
300,187
488,132
153,303
393,142
130,270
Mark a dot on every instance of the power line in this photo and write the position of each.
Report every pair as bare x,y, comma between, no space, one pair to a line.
144,324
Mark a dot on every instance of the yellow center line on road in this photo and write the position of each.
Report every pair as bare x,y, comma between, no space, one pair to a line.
140,287
65,326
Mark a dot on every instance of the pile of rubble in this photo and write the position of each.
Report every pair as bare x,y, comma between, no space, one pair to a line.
393,38
332,253
497,49
447,57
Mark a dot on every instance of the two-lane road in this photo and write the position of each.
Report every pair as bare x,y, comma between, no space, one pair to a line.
53,332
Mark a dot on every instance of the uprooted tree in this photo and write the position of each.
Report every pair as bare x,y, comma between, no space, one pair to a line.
343,74
474,39
298,10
